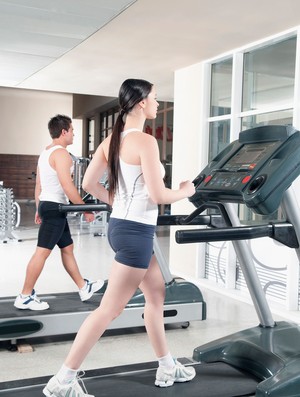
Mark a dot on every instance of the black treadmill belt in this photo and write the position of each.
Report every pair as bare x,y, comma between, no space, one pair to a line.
59,303
212,380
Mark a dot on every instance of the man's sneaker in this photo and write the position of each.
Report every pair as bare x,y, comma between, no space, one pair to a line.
90,287
56,389
30,302
166,377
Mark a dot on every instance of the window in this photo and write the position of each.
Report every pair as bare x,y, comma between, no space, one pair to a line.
107,121
269,76
252,87
219,137
284,117
162,129
91,135
220,106
263,95
221,76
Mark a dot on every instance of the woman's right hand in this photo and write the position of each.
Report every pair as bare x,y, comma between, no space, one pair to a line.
188,187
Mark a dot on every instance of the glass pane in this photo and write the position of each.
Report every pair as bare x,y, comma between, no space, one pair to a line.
269,75
284,117
221,78
169,149
91,135
149,128
158,132
116,115
219,137
165,105
109,121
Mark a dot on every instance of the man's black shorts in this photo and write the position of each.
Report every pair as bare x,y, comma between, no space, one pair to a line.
54,228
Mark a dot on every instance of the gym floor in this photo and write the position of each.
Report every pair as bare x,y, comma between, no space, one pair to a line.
225,315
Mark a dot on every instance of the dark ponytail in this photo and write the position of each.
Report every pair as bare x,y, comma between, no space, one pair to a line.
132,91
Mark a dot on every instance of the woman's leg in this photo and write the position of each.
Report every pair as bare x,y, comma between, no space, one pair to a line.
153,287
123,282
169,370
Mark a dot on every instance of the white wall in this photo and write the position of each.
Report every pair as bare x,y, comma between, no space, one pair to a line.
189,153
24,115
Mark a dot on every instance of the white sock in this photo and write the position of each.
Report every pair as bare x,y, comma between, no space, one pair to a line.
84,287
166,361
66,375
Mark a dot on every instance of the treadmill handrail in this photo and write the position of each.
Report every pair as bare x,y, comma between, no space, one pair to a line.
173,220
282,231
84,207
203,207
196,219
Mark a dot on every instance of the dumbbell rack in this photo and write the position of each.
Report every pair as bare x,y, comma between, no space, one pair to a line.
9,215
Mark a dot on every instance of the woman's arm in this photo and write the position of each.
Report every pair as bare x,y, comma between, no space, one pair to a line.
150,162
94,173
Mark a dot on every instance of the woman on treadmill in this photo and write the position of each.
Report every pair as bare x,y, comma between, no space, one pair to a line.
136,187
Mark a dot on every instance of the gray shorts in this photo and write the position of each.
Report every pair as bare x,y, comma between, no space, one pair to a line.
131,241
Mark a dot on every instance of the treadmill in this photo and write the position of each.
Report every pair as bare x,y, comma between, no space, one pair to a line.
257,170
183,303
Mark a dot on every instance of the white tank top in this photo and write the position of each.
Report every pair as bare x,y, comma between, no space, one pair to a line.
132,200
50,185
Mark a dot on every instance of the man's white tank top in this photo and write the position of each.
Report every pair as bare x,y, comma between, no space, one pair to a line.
50,185
132,200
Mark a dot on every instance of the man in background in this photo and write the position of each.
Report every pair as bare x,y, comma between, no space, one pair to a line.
54,186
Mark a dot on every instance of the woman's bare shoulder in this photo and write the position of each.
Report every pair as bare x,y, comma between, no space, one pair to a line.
143,137
104,145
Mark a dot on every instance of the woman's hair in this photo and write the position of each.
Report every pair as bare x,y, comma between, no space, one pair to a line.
132,91
57,124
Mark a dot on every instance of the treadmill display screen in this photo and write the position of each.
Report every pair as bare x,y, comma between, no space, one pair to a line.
248,156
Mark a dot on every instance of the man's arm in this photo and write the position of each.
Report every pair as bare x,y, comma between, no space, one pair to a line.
37,192
60,160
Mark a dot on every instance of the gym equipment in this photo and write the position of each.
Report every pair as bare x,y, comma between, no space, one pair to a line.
138,380
80,166
10,215
257,170
184,302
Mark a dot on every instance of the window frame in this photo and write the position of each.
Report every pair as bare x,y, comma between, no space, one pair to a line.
236,116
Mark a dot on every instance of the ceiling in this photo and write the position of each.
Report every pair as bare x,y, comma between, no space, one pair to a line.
91,46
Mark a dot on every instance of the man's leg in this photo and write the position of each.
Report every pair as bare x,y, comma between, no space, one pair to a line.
28,299
34,269
70,264
86,287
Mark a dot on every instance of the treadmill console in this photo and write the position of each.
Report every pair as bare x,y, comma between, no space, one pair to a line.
255,170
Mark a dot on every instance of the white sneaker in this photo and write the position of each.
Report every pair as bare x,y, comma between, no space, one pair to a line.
90,287
166,377
56,389
30,302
